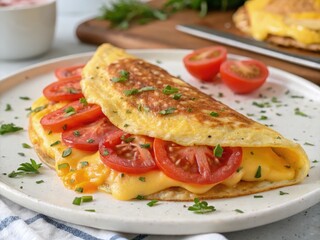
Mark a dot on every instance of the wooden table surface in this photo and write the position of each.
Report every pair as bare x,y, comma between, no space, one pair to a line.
162,34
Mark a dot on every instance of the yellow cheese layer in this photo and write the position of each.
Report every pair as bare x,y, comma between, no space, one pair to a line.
83,171
300,26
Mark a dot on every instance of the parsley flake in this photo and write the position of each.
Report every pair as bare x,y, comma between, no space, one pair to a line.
66,152
152,203
258,172
169,90
167,111
124,76
218,151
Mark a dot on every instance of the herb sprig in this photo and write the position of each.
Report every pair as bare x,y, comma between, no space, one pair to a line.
201,207
9,128
26,168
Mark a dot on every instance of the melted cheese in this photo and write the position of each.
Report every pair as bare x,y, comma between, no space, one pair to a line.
303,26
85,172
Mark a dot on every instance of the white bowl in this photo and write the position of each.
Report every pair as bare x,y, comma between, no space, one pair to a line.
27,31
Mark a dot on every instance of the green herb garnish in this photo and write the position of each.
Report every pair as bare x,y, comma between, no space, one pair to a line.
214,114
152,203
8,107
201,207
218,151
66,152
140,197
83,101
124,76
299,113
167,111
9,128
145,145
238,210
177,96
63,166
169,90
77,201
87,198
142,179
39,182
55,143
26,168
134,91
70,111
24,98
25,145
258,172
283,193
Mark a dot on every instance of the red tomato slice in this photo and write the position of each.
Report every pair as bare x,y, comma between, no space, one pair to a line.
244,76
196,164
72,115
127,153
204,63
69,73
88,137
68,90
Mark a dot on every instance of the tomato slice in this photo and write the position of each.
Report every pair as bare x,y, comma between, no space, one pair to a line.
68,90
69,73
244,76
72,115
88,137
196,164
204,63
127,153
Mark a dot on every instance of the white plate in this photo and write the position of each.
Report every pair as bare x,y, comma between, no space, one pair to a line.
52,199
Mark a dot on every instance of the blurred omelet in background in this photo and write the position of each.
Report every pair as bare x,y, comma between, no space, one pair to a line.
290,23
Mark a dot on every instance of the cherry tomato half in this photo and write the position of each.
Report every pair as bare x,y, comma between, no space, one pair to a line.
243,76
204,63
72,115
69,73
196,164
127,153
88,137
68,90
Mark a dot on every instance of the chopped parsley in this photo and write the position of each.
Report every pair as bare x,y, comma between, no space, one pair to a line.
127,139
177,96
8,107
24,98
283,193
134,91
76,133
90,140
263,117
70,111
21,154
201,207
142,179
105,152
140,197
167,111
84,164
299,113
152,203
79,189
124,76
83,101
63,166
26,168
214,114
39,182
55,143
145,145
169,90
9,128
66,152
25,145
258,196
37,109
238,210
77,201
218,151
258,172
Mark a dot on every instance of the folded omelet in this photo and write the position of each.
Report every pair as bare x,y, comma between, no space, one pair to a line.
187,122
293,23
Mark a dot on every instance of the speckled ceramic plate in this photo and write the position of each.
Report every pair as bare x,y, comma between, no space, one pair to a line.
285,94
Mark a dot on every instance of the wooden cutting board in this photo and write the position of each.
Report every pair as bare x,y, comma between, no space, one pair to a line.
162,34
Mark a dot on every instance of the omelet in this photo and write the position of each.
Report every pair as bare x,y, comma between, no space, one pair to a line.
140,106
293,23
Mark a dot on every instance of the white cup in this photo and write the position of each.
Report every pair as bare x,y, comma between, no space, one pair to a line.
27,31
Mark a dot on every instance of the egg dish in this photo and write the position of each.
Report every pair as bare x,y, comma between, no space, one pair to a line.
290,23
145,133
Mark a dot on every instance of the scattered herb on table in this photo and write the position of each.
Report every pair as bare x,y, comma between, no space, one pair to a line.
152,203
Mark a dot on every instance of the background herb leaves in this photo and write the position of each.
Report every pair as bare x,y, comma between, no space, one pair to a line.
123,13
